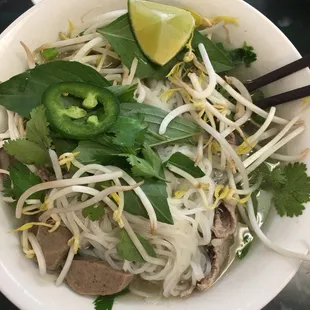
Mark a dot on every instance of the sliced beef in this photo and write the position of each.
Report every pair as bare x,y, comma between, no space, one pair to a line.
54,245
90,276
218,255
225,221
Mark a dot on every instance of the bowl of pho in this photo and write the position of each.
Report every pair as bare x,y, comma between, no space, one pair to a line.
137,166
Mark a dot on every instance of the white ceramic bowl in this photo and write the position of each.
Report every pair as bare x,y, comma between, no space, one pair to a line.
251,283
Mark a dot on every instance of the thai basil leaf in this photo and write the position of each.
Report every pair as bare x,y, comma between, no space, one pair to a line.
64,145
128,251
219,56
178,129
23,92
121,37
125,93
156,191
185,163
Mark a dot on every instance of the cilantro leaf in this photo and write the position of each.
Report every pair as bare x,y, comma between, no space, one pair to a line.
127,250
290,197
94,213
290,186
21,179
244,55
240,55
278,177
142,168
106,302
129,131
27,151
37,130
149,167
288,205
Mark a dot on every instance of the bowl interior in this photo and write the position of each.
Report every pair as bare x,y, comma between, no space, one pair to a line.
250,283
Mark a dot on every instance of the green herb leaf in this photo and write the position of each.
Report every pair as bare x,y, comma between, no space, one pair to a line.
152,157
127,250
142,168
121,37
22,179
23,92
290,186
64,145
178,129
27,152
37,130
219,57
125,93
103,153
149,167
245,55
156,191
106,302
290,196
94,213
185,163
129,131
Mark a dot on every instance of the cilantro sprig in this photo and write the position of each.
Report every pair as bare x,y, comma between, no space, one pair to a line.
290,186
148,167
21,178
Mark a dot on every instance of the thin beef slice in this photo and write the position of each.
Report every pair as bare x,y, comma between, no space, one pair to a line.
225,221
218,255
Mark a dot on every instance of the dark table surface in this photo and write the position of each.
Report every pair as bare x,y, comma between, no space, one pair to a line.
292,17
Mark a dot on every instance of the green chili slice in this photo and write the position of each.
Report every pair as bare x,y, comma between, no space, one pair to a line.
94,110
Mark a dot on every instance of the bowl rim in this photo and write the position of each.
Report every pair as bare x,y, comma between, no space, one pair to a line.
8,286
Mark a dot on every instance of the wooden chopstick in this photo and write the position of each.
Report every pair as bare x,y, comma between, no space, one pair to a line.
284,97
278,74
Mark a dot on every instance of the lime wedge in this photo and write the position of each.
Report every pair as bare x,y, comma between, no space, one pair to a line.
160,30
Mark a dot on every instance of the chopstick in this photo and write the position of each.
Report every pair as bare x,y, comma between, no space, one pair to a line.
278,74
284,97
